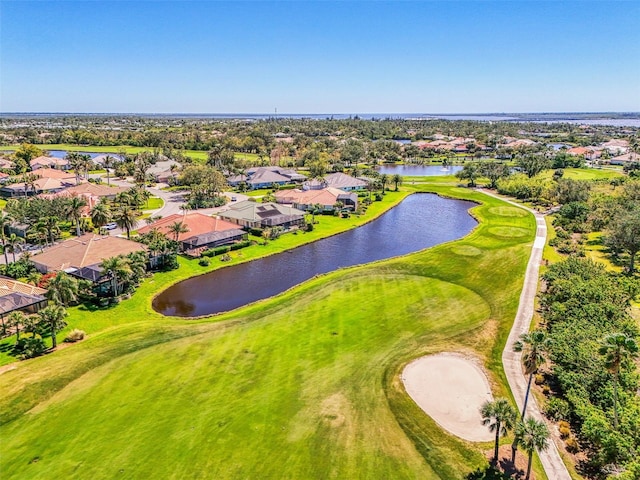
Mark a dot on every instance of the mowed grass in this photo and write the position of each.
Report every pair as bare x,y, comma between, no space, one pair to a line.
304,385
587,173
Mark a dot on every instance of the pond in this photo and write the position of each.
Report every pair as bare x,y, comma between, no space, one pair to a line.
419,170
420,221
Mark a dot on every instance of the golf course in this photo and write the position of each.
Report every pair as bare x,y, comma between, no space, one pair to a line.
305,385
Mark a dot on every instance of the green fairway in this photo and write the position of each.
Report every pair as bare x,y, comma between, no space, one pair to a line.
304,385
587,173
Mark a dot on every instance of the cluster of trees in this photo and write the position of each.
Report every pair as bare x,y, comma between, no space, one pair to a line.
590,340
251,136
206,184
529,433
615,213
46,218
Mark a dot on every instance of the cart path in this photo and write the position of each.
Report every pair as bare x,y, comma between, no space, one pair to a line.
553,465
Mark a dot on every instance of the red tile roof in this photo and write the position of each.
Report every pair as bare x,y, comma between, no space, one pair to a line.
197,223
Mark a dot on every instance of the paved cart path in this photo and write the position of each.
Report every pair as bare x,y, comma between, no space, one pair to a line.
553,465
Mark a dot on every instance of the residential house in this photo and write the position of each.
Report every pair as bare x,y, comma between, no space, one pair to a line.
250,214
265,177
341,181
15,295
48,181
82,256
49,162
203,231
327,197
625,159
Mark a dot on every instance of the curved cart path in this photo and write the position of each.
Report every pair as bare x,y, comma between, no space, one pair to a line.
553,465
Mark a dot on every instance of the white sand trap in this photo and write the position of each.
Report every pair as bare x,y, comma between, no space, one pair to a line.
450,389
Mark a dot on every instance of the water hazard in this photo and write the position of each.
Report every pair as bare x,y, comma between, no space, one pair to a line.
420,221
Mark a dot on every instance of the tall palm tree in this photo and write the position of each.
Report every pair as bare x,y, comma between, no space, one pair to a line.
74,210
384,180
533,346
177,228
118,268
501,417
53,316
108,162
63,289
125,218
13,243
616,348
5,221
75,162
101,214
397,180
531,435
16,320
52,226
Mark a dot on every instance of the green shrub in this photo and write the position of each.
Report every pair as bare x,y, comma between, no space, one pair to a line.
30,347
557,409
225,258
204,262
75,335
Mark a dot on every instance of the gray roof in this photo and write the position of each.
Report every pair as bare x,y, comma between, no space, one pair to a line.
266,213
17,301
211,237
342,180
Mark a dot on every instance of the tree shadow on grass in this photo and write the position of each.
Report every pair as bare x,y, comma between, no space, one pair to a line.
488,473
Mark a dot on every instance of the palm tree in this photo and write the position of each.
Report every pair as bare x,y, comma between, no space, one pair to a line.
51,223
397,180
13,244
62,289
125,218
5,221
118,268
53,316
75,162
108,162
531,435
101,214
16,320
617,347
384,180
74,210
177,228
533,345
501,417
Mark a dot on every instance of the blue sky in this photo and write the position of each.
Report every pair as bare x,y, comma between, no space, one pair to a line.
319,57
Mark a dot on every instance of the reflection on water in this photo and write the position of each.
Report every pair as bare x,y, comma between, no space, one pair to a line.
420,221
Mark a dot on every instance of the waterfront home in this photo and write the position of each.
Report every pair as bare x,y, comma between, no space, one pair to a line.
202,232
328,198
19,296
49,162
82,256
250,214
341,181
266,177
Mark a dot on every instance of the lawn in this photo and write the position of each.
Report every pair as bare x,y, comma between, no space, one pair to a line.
276,389
586,173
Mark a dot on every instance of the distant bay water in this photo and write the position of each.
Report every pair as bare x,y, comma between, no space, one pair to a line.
618,119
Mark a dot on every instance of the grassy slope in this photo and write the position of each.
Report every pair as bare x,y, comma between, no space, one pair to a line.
276,388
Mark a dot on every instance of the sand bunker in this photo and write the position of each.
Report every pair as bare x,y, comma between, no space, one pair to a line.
450,389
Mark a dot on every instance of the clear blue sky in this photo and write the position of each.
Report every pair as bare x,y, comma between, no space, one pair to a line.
319,57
